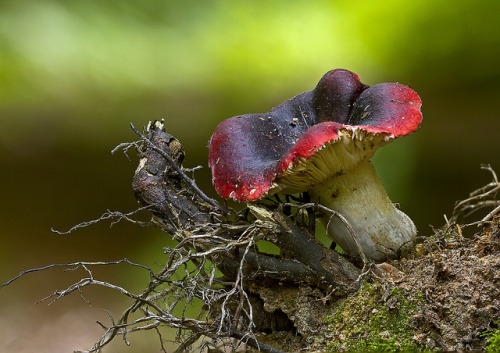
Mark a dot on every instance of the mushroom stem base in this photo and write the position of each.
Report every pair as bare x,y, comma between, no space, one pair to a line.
381,228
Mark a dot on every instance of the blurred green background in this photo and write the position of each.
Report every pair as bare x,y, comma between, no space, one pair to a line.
74,74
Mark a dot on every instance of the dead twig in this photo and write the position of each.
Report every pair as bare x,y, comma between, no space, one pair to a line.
125,146
115,216
76,265
484,197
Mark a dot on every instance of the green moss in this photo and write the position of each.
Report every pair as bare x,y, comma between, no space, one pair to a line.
493,339
384,324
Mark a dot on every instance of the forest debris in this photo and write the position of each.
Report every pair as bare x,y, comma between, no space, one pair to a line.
484,197
444,295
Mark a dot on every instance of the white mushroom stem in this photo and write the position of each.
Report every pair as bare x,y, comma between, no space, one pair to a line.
360,197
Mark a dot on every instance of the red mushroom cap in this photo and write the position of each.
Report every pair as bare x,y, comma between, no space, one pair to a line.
310,137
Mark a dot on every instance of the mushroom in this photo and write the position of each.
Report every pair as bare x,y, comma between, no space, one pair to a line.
321,142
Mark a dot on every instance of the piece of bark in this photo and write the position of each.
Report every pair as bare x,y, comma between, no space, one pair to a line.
157,185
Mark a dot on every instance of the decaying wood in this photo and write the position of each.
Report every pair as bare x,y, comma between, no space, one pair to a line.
207,231
182,211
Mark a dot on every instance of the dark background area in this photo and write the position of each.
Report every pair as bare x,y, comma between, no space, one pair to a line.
73,75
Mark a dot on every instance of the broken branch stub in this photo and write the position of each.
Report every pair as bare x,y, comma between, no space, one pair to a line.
157,185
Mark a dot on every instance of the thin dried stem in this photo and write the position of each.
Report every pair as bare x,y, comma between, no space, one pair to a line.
115,216
76,265
484,197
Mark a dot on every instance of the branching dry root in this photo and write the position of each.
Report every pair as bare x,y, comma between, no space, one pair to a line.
484,197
